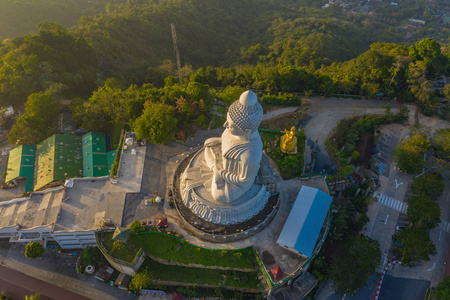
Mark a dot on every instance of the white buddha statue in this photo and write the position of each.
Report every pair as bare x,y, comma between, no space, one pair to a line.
235,157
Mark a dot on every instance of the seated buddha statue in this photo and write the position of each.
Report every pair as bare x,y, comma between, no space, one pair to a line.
235,157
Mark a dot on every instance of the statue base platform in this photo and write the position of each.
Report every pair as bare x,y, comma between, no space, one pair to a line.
195,189
210,220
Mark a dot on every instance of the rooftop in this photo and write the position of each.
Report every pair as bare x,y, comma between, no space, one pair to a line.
305,221
21,163
94,155
89,204
40,210
57,158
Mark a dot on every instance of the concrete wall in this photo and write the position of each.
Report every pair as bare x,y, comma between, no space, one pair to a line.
127,269
120,265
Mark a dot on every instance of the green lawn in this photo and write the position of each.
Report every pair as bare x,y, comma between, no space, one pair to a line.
290,166
174,249
201,276
126,253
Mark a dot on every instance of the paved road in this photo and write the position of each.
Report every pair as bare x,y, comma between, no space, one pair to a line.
18,285
393,288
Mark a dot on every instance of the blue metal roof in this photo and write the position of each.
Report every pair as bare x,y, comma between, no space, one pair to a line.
303,225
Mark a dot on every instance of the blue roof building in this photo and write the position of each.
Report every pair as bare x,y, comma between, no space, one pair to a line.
305,221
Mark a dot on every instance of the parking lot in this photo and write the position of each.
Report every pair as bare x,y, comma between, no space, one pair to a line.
383,151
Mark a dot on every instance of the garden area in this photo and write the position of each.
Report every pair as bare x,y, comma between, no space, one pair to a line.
290,165
173,249
225,278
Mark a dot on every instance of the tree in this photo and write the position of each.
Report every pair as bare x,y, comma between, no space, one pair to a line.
35,125
140,281
443,289
415,245
421,87
350,271
157,123
423,212
28,130
91,256
441,143
33,297
43,106
429,184
3,297
34,250
408,155
136,227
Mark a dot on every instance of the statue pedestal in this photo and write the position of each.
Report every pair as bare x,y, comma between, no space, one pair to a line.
195,184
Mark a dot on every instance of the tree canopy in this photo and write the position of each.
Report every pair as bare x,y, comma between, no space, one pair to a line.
350,271
443,289
409,154
157,123
34,250
36,123
423,212
415,245
429,185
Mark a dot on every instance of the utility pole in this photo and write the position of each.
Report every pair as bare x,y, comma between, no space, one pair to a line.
174,38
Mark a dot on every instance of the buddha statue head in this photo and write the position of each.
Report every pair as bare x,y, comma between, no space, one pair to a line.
244,115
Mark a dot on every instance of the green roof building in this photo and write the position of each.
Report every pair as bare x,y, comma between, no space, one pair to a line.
21,164
94,155
57,158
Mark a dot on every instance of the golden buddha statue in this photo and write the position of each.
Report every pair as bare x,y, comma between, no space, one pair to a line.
288,141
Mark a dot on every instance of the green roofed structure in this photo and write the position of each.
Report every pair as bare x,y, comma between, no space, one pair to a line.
57,158
94,155
21,164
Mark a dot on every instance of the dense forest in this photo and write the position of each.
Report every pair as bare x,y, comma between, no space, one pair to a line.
20,17
120,54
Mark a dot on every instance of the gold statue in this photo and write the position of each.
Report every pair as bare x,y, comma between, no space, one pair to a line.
288,142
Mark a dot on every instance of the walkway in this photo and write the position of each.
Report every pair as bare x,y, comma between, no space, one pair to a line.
279,111
392,203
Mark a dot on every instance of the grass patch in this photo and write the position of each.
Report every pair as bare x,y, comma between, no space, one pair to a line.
125,252
237,279
290,166
114,133
174,249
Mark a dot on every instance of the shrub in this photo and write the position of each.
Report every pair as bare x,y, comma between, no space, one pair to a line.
34,250
91,256
136,227
140,281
